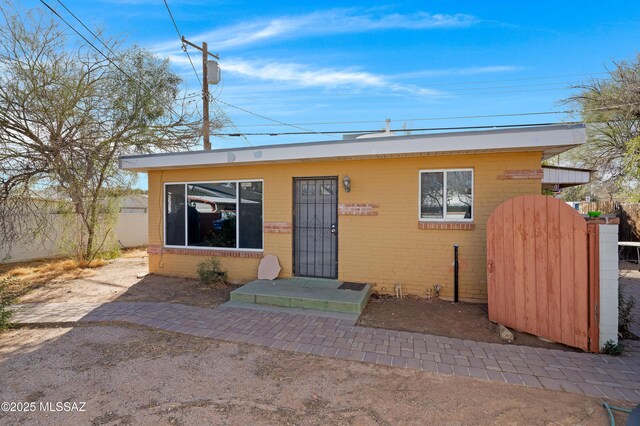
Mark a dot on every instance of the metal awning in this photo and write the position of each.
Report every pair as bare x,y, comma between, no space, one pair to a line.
556,177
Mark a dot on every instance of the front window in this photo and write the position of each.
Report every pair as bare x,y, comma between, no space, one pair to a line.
446,195
217,215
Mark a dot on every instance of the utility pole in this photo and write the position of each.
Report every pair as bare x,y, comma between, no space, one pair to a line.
205,90
205,99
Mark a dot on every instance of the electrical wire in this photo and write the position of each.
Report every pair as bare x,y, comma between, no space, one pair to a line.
266,118
386,94
522,114
460,117
304,130
137,82
184,47
226,119
425,129
611,107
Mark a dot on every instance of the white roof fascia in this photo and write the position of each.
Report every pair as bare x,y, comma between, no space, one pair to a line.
551,140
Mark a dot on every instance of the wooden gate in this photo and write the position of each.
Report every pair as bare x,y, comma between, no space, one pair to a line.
540,275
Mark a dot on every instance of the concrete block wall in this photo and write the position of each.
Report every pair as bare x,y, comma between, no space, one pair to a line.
131,230
608,311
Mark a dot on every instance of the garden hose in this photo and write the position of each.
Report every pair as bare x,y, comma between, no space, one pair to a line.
631,418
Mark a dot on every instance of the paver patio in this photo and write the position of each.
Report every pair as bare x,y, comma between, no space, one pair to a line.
591,374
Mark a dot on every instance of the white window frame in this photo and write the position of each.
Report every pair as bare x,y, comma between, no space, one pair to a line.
444,192
187,247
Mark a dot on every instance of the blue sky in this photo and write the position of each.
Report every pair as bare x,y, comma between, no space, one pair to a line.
329,62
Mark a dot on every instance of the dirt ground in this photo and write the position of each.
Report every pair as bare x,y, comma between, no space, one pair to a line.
462,320
130,375
629,282
126,280
133,375
470,320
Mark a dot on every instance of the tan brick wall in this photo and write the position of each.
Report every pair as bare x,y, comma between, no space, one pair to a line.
384,249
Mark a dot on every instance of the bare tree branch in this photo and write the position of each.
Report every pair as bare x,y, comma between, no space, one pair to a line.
67,114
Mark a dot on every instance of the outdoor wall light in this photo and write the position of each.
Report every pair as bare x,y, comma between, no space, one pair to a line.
346,182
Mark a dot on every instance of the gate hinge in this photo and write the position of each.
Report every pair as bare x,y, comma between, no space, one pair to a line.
596,311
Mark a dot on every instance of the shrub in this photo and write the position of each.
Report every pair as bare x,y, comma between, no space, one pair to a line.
210,272
109,254
5,314
611,348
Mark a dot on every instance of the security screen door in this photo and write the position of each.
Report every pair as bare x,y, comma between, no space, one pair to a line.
315,227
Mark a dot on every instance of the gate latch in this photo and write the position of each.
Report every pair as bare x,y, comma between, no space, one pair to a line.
334,228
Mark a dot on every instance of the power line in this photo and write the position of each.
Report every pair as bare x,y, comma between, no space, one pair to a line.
488,90
220,111
424,129
611,107
522,114
387,94
265,118
184,47
98,50
229,121
84,26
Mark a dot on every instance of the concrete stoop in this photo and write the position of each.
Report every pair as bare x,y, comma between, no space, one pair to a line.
305,293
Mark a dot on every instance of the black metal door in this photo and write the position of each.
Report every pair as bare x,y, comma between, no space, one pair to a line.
315,227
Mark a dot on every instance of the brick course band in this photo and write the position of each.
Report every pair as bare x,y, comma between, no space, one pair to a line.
202,252
521,174
459,226
358,209
277,227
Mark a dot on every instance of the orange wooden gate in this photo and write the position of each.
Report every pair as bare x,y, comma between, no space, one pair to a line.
539,276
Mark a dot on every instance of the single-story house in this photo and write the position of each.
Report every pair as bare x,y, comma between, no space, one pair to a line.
382,210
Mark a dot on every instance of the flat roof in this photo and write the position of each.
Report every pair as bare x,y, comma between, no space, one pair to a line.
548,139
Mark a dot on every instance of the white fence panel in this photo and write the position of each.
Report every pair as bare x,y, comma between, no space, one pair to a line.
131,231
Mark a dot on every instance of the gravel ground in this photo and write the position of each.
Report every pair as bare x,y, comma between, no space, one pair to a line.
130,375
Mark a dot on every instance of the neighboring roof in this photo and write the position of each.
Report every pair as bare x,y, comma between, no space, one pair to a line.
134,201
548,139
564,177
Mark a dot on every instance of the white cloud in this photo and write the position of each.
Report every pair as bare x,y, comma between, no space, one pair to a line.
460,71
334,21
294,75
331,78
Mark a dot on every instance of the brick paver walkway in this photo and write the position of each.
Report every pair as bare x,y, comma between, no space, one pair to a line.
595,375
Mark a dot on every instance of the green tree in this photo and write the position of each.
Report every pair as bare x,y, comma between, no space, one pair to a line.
611,106
66,114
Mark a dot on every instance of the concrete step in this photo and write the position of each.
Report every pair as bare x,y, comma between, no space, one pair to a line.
351,318
306,293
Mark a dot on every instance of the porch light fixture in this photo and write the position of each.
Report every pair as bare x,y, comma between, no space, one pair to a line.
346,182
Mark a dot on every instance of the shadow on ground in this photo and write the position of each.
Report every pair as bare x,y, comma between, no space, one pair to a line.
129,374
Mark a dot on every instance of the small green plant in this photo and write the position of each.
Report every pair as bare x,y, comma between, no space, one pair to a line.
210,272
625,314
109,254
5,313
611,348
